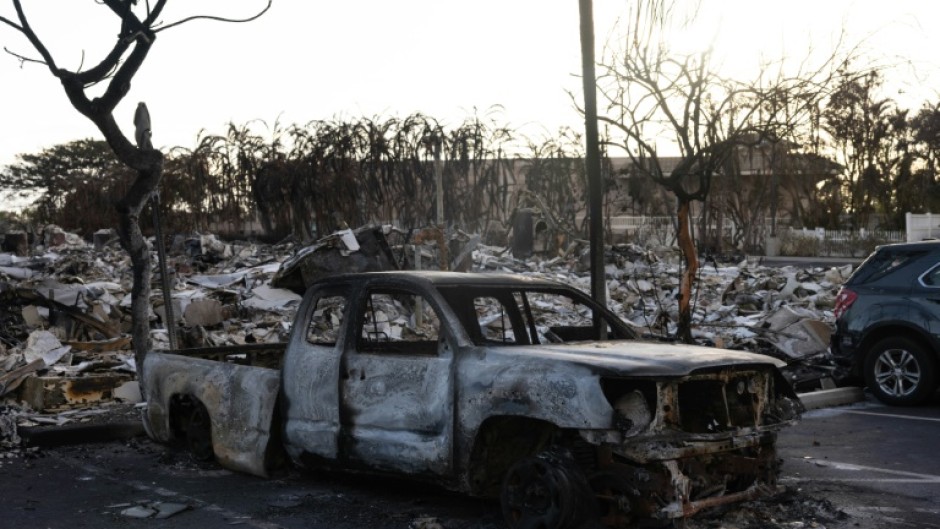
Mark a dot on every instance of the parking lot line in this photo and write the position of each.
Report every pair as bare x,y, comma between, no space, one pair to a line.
894,415
230,517
902,476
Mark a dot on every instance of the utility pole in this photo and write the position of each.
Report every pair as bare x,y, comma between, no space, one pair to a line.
595,184
439,177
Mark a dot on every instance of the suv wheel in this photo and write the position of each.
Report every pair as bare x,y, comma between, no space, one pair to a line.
900,372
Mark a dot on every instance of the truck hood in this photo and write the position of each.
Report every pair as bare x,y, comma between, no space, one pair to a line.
634,358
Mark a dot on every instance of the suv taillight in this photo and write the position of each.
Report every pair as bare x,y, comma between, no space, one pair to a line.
844,300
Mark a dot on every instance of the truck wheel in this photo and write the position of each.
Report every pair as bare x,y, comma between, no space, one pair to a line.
199,433
545,492
900,372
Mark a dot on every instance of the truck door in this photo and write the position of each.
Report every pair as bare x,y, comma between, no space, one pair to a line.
310,374
397,386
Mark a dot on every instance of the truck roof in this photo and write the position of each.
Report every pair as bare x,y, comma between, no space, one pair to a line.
439,278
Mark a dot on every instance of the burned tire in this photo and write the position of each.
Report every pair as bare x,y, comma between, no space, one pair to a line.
199,433
900,372
545,491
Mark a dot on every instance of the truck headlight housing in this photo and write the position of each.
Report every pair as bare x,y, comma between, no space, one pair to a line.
632,413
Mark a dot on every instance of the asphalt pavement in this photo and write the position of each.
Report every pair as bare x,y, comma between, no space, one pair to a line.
876,463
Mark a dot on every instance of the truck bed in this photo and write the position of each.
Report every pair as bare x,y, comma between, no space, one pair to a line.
270,355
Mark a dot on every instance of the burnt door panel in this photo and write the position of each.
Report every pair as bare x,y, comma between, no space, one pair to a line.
310,378
397,387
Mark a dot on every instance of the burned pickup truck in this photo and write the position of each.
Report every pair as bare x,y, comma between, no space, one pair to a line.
490,384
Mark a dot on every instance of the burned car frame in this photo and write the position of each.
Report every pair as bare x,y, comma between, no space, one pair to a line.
493,385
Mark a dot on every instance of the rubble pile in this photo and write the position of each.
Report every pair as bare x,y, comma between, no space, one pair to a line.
65,342
65,325
783,312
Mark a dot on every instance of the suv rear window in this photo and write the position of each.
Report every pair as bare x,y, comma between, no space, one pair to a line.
882,263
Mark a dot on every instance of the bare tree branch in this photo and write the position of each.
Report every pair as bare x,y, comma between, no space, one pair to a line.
11,23
33,39
22,58
209,17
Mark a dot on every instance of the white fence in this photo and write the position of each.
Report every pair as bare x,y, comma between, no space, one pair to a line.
793,241
820,242
662,230
920,226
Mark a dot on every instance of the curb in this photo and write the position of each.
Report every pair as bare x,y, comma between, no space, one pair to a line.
828,398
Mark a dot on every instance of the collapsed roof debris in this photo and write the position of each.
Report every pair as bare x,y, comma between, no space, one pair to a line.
65,342
362,250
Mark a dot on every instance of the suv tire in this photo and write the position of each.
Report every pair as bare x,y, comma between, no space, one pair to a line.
900,372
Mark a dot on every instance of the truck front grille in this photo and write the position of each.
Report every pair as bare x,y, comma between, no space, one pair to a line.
722,403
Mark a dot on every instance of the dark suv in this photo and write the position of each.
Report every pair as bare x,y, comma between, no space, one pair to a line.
888,323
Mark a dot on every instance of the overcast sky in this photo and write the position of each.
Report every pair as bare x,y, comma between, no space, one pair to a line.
307,59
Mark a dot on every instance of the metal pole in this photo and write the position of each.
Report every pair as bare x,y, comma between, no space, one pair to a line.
595,190
164,277
439,178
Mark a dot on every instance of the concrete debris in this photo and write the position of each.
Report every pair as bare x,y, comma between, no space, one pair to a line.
43,345
204,312
272,299
796,333
425,522
151,509
12,379
52,393
64,303
128,392
9,437
286,501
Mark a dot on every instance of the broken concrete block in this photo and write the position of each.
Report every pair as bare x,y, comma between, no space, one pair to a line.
101,238
167,509
177,311
53,236
138,511
128,392
205,312
32,317
44,345
211,245
52,393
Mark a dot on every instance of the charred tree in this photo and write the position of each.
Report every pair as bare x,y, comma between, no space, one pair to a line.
652,96
138,31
